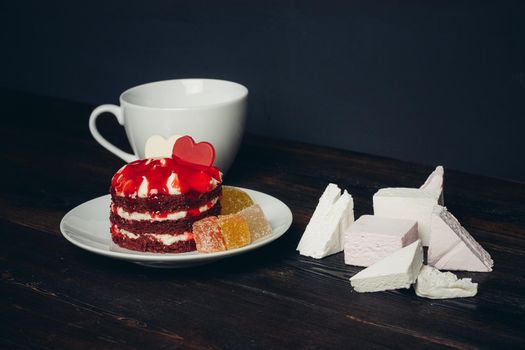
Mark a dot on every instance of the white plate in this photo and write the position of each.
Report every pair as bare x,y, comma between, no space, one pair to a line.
87,226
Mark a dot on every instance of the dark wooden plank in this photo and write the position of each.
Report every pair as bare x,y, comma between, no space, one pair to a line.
60,296
247,296
181,302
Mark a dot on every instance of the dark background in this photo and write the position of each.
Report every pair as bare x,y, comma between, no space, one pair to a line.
431,82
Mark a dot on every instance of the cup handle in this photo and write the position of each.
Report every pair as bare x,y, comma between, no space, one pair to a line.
117,112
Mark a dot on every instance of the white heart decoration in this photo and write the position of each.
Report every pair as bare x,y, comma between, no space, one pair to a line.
159,147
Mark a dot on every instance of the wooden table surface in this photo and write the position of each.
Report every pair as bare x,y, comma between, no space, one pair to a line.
55,295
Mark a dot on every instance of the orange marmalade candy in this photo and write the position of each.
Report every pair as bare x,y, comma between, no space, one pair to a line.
235,231
208,235
257,223
234,200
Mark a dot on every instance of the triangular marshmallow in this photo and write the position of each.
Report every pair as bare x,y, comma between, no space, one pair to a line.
434,183
398,270
324,234
452,247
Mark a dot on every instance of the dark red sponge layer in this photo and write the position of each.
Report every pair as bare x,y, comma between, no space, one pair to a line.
146,244
165,203
162,227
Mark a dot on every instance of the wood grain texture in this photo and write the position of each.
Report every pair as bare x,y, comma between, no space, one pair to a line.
55,295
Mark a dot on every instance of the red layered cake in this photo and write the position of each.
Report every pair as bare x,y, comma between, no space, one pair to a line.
155,202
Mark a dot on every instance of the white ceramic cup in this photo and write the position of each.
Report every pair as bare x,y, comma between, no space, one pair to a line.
206,109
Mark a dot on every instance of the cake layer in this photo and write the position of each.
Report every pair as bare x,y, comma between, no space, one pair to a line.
150,243
169,176
163,216
164,203
159,227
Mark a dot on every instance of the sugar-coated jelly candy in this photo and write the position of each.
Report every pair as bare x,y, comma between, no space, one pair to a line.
235,231
208,236
234,200
257,223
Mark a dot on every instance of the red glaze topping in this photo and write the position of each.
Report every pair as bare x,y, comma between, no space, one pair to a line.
188,178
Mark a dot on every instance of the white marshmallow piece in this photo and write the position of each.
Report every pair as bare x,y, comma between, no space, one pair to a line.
452,247
434,284
372,238
398,270
407,203
324,234
330,195
434,183
159,147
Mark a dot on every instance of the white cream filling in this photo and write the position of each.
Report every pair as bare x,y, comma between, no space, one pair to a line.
214,182
169,184
143,188
165,239
171,216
